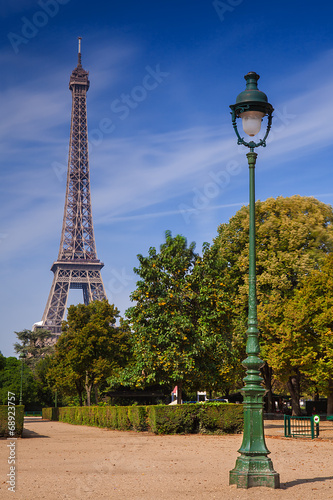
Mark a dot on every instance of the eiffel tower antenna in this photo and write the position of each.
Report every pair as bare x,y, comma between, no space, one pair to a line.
77,265
79,52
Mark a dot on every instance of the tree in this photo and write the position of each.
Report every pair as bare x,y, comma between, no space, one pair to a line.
175,333
292,237
164,339
61,377
10,381
90,348
214,311
307,336
34,345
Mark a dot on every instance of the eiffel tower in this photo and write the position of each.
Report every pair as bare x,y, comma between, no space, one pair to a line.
77,265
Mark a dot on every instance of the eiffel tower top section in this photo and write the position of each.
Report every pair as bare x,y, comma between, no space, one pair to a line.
79,77
77,237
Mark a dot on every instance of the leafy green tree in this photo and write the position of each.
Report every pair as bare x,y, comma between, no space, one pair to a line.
164,339
90,348
34,345
214,312
292,237
306,340
61,377
10,381
176,338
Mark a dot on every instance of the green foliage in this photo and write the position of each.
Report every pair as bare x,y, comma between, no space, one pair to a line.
164,339
293,235
19,419
50,414
306,336
10,381
214,311
124,423
179,317
208,418
212,418
138,417
33,345
221,418
176,419
99,416
90,349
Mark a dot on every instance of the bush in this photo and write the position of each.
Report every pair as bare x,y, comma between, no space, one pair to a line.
124,423
138,417
50,414
218,418
173,419
221,418
19,419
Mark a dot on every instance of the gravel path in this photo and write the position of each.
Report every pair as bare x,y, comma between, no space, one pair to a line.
56,461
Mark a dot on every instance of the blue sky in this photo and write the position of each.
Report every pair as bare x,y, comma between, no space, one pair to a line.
163,154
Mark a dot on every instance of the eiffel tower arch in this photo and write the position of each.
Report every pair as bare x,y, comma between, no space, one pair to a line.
77,265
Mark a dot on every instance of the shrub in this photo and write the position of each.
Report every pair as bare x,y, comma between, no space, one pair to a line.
173,419
123,420
50,414
18,412
221,418
138,417
210,418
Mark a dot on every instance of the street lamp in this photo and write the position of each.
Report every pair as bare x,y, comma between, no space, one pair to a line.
22,357
253,467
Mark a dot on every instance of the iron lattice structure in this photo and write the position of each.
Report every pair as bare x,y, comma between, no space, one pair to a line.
77,265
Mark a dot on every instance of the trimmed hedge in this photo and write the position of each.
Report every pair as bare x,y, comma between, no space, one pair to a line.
138,417
221,419
208,418
19,418
177,419
50,413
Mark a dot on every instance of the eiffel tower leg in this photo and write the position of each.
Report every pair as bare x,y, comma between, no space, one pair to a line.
86,294
95,286
56,305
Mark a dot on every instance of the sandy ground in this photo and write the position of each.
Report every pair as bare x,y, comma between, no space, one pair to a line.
57,461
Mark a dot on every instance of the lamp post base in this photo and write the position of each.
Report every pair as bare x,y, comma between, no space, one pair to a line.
254,471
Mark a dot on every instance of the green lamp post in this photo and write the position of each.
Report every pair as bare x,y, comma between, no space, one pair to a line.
22,356
253,467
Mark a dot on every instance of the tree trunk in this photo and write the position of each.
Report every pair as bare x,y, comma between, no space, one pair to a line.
316,395
79,391
179,393
88,387
267,374
294,389
330,398
96,394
